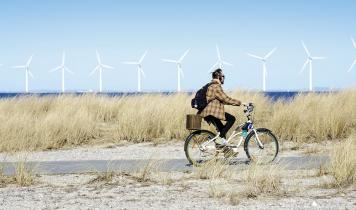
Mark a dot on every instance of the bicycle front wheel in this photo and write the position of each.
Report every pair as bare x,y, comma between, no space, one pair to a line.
198,148
263,147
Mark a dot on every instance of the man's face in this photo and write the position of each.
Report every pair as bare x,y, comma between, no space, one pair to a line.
222,78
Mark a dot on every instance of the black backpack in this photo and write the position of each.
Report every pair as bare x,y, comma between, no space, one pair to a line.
199,102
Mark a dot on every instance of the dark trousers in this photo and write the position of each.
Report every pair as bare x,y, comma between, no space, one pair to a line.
223,129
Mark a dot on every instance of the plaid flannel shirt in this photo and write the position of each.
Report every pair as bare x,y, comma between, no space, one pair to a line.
216,100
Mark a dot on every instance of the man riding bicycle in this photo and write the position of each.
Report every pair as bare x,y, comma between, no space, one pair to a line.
214,112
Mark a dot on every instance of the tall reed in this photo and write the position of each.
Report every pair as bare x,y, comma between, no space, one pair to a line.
39,123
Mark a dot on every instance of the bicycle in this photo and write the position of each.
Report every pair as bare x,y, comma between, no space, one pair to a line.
260,144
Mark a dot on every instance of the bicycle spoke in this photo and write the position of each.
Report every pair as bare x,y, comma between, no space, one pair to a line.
267,152
197,150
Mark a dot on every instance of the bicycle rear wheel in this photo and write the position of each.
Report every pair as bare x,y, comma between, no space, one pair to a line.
261,153
196,148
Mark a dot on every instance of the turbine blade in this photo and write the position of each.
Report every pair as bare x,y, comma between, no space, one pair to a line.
306,49
94,70
30,73
270,53
305,64
29,61
184,54
98,57
68,70
254,56
214,66
169,61
143,56
218,52
353,42
130,62
107,66
55,69
227,63
352,65
143,73
181,72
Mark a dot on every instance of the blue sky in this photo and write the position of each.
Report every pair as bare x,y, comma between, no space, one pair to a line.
123,30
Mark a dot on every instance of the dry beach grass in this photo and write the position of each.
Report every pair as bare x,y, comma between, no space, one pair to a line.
41,123
343,163
24,176
185,192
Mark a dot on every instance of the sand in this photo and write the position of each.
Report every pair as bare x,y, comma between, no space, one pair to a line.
125,150
173,190
75,191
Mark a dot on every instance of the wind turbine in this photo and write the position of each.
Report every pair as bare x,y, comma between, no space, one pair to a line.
220,62
26,67
353,64
100,67
139,69
310,62
264,68
179,67
63,68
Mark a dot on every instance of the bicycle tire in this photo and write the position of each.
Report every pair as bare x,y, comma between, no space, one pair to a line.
271,143
197,137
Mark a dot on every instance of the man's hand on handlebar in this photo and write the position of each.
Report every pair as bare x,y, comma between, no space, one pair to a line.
247,104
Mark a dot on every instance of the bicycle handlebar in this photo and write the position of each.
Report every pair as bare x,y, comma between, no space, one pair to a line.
247,104
249,107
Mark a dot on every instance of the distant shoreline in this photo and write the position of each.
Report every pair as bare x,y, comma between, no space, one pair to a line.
274,95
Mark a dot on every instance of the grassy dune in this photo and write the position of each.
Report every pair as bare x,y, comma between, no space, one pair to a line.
343,163
39,123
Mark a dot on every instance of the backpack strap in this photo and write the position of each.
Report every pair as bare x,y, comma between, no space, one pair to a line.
210,83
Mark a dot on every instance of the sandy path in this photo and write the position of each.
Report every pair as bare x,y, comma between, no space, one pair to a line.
171,150
74,192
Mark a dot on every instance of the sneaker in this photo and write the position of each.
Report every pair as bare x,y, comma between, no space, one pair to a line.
235,150
221,141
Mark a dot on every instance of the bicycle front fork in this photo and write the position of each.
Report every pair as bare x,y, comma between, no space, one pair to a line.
257,140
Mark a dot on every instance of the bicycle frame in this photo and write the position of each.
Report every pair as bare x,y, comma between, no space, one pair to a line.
237,133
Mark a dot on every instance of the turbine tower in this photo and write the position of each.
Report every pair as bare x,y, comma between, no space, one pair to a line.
26,67
310,62
353,64
100,67
264,68
63,68
179,67
139,69
220,62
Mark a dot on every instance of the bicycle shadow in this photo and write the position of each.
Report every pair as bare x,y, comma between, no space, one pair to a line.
233,162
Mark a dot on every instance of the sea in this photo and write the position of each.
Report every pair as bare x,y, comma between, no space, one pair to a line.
273,95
